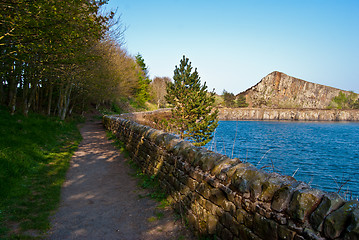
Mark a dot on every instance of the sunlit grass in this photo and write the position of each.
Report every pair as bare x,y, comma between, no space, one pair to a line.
34,157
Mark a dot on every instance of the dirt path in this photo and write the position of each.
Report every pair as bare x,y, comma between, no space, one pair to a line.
99,199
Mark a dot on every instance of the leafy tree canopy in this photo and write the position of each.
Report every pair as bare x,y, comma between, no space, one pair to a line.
241,101
345,101
229,99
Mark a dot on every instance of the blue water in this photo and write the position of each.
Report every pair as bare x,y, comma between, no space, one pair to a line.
323,154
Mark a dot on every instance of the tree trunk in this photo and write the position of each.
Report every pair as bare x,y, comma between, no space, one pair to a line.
12,92
2,93
25,91
49,100
60,103
66,100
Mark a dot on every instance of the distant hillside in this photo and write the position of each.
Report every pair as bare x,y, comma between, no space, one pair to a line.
278,90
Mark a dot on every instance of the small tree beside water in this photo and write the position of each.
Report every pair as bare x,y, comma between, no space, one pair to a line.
193,116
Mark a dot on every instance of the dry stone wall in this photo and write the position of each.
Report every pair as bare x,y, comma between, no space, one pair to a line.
288,114
231,199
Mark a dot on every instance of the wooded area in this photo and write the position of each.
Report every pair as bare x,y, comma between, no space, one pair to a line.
59,56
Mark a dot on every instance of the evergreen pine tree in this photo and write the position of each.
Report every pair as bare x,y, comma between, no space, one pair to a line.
192,113
143,83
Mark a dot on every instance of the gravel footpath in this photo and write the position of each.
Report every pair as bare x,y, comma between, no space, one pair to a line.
100,200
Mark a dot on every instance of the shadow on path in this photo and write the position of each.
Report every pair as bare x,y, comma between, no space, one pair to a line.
99,200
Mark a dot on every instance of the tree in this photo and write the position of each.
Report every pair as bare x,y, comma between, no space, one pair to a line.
241,101
344,101
193,116
158,87
356,104
58,55
229,99
143,84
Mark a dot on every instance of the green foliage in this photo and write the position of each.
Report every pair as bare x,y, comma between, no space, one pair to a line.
116,108
241,101
229,99
345,101
192,113
356,104
143,83
59,56
34,157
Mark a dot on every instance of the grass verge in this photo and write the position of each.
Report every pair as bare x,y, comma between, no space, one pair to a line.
35,152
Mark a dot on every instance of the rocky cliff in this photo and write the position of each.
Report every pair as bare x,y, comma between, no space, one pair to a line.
278,90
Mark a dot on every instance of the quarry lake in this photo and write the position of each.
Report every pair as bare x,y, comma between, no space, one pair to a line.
323,154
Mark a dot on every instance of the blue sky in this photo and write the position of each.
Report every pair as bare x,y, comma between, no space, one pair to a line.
233,44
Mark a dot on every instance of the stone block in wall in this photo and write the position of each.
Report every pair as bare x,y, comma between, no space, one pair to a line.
184,166
303,203
192,183
217,196
181,146
212,221
266,212
230,195
226,173
295,226
330,202
250,181
282,196
353,228
248,205
170,141
231,223
225,163
273,184
310,234
280,218
226,234
211,180
284,233
160,138
192,220
265,228
241,215
195,174
246,234
204,189
337,222
185,190
240,183
299,237
206,160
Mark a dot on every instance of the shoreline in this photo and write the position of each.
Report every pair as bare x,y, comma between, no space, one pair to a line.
321,115
262,114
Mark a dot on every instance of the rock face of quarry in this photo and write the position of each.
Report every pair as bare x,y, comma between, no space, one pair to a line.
278,90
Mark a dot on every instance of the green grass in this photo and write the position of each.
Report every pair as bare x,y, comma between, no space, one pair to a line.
34,157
